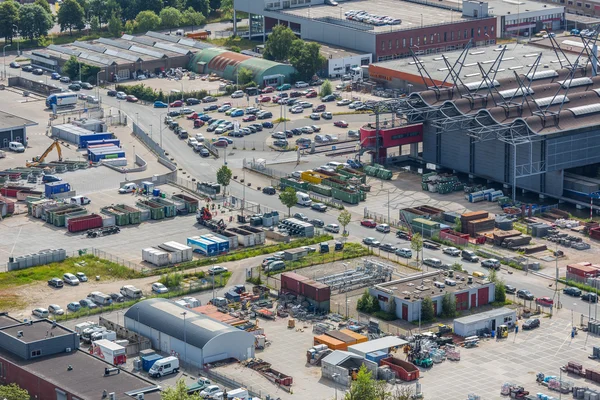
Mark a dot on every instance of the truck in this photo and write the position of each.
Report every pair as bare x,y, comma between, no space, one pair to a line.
109,351
87,333
240,393
80,200
60,100
131,291
79,328
103,335
198,386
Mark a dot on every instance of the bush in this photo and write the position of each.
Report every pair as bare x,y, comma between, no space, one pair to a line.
368,304
448,306
427,310
148,94
171,279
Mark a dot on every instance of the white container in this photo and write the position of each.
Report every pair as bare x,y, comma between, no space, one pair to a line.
155,256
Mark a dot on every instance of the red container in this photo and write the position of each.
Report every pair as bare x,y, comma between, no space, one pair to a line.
84,223
316,291
292,282
11,191
403,369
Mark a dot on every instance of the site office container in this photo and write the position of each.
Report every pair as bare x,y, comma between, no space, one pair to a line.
94,137
259,234
376,356
155,256
403,369
584,270
357,336
349,340
51,188
330,342
148,361
84,223
291,281
114,142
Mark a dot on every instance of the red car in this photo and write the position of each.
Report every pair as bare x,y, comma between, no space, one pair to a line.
276,99
311,94
544,301
176,103
221,143
340,124
369,223
193,116
264,99
249,118
227,103
198,123
268,89
131,99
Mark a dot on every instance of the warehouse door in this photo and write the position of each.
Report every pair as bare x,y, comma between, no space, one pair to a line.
60,395
215,358
123,74
165,343
405,312
473,300
483,295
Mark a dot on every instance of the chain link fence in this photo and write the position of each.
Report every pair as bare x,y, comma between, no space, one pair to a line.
116,259
260,166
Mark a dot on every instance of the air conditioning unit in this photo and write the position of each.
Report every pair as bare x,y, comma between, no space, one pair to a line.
111,396
68,350
140,396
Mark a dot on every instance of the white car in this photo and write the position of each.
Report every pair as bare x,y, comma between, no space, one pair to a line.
216,270
199,137
370,241
279,255
40,312
344,102
332,138
192,142
237,94
453,251
224,108
121,95
92,99
334,228
210,391
159,288
81,276
301,84
55,309
385,228
70,279
297,174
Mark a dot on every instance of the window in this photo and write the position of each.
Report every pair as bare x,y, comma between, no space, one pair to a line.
431,38
36,353
445,36
452,36
588,6
578,4
397,43
418,40
404,42
383,45
492,29
411,42
459,35
389,45
465,36
485,29
478,31
472,33
424,39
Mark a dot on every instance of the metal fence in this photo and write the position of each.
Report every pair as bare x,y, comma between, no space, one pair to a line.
261,168
382,218
232,383
119,260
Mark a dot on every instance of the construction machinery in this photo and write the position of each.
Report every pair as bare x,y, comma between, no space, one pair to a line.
40,159
205,218
503,331
417,355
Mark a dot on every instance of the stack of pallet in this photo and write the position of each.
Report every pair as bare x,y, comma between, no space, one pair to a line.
471,216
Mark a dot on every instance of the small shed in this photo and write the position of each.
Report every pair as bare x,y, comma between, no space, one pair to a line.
338,366
472,324
294,254
382,344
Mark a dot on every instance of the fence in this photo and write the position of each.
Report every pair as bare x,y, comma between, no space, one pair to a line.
261,168
148,141
112,258
232,383
381,218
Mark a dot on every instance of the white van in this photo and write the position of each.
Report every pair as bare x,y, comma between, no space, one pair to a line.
192,301
449,282
100,298
165,366
334,164
303,199
131,292
439,284
80,200
16,147
128,188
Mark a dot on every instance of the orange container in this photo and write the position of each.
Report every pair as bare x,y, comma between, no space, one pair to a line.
359,338
330,342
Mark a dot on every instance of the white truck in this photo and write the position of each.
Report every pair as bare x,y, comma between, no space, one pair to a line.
303,199
104,335
87,333
109,351
79,328
131,291
80,200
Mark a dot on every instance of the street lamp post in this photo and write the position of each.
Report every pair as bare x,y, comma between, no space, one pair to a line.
162,124
184,338
15,26
150,131
572,316
335,376
4,58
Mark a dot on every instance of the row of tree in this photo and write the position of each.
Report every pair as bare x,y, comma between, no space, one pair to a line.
29,21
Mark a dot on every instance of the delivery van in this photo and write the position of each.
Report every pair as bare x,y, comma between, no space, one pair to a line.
303,199
164,366
128,188
16,147
80,200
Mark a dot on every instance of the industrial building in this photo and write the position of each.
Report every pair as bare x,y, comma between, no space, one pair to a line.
195,337
227,64
408,294
43,357
520,17
341,61
13,129
122,58
472,325
384,344
426,27
339,365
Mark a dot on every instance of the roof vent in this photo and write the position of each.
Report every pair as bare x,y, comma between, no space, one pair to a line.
19,333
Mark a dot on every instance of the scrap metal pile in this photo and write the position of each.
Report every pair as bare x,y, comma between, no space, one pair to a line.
371,273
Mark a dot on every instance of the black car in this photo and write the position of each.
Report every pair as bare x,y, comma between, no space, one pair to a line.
258,127
510,289
117,297
87,86
388,247
212,107
317,222
402,235
204,152
209,99
267,124
531,324
38,71
192,101
111,93
174,113
27,68
591,297
296,131
525,294
319,207
268,190
265,115
572,291
327,98
74,86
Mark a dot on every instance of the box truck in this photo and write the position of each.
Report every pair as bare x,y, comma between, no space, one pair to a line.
109,351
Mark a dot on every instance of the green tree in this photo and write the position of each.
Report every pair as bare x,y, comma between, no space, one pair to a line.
202,6
235,49
9,15
456,266
288,198
178,392
115,26
34,21
44,4
215,4
170,17
500,289
326,88
147,21
98,8
226,6
279,43
344,219
448,306
153,5
427,311
306,58
363,388
130,26
416,243
457,224
70,15
224,176
95,23
244,75
71,68
192,18
13,392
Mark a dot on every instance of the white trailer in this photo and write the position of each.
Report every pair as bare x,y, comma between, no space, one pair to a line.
109,351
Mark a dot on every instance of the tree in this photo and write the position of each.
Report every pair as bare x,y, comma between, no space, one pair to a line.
9,15
244,75
153,5
236,49
44,4
215,4
192,18
457,224
98,8
363,388
34,21
71,68
500,289
306,58
224,176
147,21
226,6
170,17
344,219
13,392
288,198
202,6
416,243
448,306
279,43
427,311
178,392
326,88
95,23
115,26
70,15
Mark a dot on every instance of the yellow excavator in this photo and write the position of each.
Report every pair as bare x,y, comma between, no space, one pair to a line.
40,159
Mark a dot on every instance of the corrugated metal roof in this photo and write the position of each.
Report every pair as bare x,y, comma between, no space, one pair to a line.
96,58
172,48
383,343
498,312
120,54
115,43
142,40
339,356
583,110
544,101
147,52
64,50
162,36
88,46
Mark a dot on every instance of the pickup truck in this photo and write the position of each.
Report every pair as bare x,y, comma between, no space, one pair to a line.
198,386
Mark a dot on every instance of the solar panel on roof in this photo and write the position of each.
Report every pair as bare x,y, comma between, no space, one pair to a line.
569,83
544,101
481,84
170,47
114,43
162,36
585,110
150,53
146,41
545,74
507,94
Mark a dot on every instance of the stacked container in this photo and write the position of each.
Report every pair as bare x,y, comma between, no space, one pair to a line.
156,257
202,246
471,216
177,252
480,225
223,244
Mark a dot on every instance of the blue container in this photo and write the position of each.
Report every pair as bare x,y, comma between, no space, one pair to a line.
203,246
232,296
148,361
223,244
116,142
101,153
84,139
156,192
376,356
56,188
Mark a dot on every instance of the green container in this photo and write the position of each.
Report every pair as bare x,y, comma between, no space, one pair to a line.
71,215
298,185
169,207
321,189
135,215
157,211
345,195
353,174
59,218
334,183
121,217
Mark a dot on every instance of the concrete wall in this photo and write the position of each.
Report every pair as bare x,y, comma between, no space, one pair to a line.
31,85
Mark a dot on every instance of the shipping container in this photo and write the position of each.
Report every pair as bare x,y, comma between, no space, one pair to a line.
155,256
259,234
135,216
223,244
292,282
84,223
316,290
177,252
148,361
94,137
191,204
403,369
357,336
54,188
233,239
114,142
202,246
330,342
341,336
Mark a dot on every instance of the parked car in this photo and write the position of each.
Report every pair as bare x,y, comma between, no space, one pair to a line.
329,97
55,309
344,102
87,303
204,152
237,94
315,116
531,324
38,71
70,279
211,107
56,282
121,95
285,86
352,133
74,306
385,228
209,99
572,291
433,262
370,241
590,297
369,223
15,64
81,276
544,301
268,89
40,312
452,251
333,228
216,270
267,124
66,79
249,118
192,101
319,207
525,294
317,222
131,99
74,87
406,253
340,124
87,86
27,68
491,263
388,247
159,288
301,216
510,289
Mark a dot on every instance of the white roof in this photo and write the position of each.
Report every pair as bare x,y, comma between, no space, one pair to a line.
498,312
383,343
107,344
339,356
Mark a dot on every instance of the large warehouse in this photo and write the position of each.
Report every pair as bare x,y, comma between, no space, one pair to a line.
174,328
227,64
